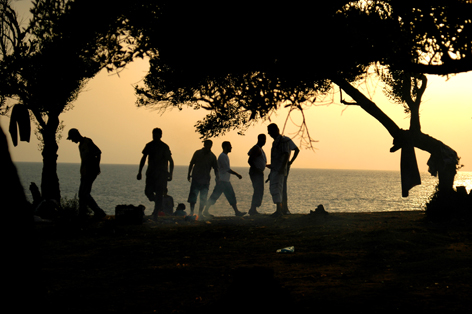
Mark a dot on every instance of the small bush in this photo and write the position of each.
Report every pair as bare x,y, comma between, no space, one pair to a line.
447,205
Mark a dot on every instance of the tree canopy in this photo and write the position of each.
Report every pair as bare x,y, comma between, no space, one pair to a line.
242,63
45,66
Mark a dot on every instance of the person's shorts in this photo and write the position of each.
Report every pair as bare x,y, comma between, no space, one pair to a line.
226,188
196,188
155,186
276,186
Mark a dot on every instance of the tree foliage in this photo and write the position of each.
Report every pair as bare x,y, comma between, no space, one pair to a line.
244,63
66,43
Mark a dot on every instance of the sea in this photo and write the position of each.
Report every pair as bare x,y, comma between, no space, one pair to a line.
337,190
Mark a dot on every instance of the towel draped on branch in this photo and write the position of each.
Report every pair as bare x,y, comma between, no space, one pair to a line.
442,159
20,120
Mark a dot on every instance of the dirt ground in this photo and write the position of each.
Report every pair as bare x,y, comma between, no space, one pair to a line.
393,261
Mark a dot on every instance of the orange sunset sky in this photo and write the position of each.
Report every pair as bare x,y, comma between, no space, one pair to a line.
348,137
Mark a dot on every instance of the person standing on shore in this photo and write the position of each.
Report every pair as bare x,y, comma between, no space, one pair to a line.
223,184
296,150
257,162
199,171
159,171
90,156
279,156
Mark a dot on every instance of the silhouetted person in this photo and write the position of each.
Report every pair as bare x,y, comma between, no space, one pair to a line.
279,156
180,210
90,156
159,170
257,162
296,150
223,184
199,170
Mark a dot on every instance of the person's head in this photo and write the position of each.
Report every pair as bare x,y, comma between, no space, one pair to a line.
207,144
273,130
226,146
156,134
261,140
74,135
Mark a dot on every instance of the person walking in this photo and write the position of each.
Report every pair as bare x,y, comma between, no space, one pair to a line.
203,160
257,162
159,171
223,184
90,156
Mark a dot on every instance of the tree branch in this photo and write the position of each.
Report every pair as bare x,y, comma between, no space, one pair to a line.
369,106
451,67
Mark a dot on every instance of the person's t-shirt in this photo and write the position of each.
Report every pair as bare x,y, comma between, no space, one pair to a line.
280,147
223,164
158,157
261,160
90,157
203,162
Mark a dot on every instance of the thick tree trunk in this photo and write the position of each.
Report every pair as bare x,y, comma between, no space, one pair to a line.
20,256
49,179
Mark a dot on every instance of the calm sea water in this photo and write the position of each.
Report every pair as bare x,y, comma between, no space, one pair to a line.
337,190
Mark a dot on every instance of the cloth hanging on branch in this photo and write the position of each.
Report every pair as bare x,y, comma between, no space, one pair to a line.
410,175
20,120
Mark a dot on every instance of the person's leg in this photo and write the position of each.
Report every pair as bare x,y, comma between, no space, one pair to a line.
86,199
155,187
92,204
278,211
192,197
150,189
159,198
257,180
231,197
97,211
84,193
285,197
213,198
203,197
276,190
192,208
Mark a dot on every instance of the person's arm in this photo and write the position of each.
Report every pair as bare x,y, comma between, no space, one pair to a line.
295,154
141,165
99,157
171,168
190,168
216,170
235,173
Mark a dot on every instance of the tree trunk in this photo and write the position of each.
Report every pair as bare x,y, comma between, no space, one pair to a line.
369,106
20,252
49,179
443,159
